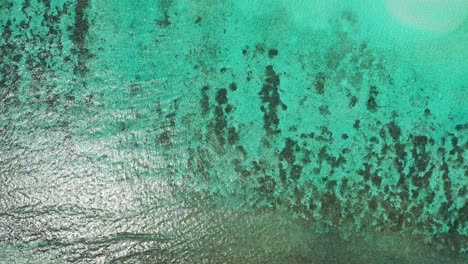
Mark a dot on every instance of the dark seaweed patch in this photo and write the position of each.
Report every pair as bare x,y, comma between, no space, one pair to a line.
287,154
427,112
330,206
220,124
272,78
353,101
7,32
296,172
457,150
394,130
135,89
165,5
267,184
245,50
324,110
221,96
371,103
273,53
356,124
271,101
461,127
366,172
376,180
8,71
447,185
228,108
164,138
334,162
205,100
171,120
241,170
400,151
259,48
233,136
373,204
419,152
320,83
233,86
423,181
78,37
52,100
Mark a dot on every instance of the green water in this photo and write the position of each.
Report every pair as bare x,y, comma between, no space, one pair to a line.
203,131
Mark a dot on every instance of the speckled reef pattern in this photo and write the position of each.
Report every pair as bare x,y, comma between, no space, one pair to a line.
203,131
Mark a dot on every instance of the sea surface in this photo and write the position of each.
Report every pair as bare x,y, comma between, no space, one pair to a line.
232,131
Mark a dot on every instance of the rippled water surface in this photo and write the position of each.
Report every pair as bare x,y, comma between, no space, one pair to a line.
248,131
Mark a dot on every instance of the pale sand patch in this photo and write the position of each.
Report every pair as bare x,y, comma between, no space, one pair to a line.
429,15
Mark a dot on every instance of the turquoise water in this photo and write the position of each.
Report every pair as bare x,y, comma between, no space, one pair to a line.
230,132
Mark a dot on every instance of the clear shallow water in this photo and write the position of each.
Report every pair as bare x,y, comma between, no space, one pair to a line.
230,132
